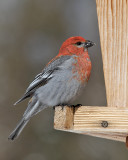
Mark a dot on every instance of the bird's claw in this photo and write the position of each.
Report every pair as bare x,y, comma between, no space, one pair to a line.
78,105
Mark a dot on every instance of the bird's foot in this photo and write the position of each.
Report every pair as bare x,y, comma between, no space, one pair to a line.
77,105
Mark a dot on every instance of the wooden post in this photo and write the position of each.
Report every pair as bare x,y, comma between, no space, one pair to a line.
112,121
113,28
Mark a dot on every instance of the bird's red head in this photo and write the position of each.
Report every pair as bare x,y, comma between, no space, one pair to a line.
75,45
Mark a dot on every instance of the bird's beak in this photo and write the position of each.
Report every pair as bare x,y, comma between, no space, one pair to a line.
89,44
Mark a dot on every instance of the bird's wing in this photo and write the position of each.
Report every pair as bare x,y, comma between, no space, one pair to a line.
43,77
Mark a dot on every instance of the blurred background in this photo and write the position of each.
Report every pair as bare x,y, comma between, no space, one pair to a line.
31,33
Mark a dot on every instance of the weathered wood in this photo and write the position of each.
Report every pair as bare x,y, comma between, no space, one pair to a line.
63,118
113,28
95,119
90,121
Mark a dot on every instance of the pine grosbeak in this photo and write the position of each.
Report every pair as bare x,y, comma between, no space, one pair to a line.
60,82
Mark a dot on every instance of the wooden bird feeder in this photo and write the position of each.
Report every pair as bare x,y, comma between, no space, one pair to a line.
109,121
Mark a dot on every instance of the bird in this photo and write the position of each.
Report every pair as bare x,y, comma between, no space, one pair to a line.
60,82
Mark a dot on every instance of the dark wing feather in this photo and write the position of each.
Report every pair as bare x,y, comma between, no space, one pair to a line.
43,77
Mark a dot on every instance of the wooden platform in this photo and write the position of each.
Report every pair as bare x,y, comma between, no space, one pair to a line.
104,122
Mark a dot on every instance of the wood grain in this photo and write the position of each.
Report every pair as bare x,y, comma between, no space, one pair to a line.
113,28
88,120
91,118
63,118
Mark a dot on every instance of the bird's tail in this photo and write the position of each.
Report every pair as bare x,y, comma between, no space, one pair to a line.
32,109
18,129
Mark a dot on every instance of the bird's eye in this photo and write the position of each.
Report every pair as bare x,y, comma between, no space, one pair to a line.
78,43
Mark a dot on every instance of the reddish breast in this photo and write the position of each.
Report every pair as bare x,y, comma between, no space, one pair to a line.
83,67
